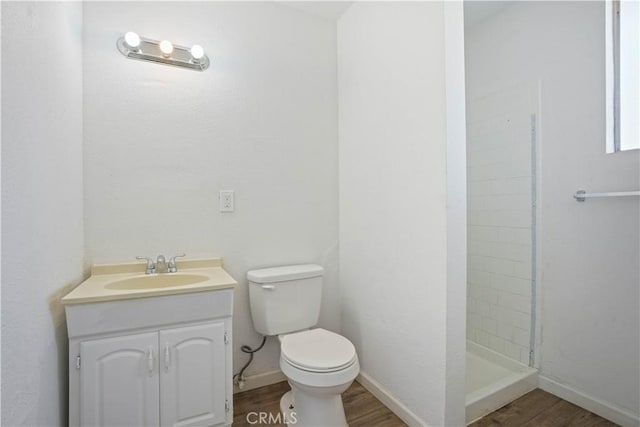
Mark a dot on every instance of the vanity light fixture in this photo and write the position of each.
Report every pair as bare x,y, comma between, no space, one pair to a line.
197,53
166,48
133,46
132,40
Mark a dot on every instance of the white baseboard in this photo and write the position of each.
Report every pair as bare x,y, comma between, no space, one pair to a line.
389,401
260,380
599,407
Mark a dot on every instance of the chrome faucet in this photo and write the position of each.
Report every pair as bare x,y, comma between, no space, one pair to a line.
161,265
151,267
172,263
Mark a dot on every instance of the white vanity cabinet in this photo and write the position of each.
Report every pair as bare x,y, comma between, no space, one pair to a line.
192,375
156,361
118,382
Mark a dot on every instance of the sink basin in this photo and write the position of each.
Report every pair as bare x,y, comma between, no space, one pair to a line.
111,282
156,281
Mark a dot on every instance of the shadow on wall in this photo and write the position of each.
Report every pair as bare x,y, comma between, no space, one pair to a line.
59,323
354,332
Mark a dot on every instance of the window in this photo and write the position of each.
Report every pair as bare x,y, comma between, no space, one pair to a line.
623,75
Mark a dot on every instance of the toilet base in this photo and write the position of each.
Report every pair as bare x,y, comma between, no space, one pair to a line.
287,409
301,409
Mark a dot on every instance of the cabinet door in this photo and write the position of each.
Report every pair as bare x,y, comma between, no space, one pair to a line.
119,383
192,379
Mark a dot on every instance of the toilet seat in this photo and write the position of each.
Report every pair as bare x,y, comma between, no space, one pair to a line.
317,350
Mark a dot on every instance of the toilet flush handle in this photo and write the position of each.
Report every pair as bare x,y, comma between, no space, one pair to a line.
268,287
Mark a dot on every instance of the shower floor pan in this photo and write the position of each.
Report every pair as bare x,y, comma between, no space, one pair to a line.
493,380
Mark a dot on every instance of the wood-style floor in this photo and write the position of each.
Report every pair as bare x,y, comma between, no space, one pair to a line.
541,409
361,408
535,409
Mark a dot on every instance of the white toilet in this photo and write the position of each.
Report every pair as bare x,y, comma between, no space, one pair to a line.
320,365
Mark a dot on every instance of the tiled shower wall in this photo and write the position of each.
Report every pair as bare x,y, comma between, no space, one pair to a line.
499,181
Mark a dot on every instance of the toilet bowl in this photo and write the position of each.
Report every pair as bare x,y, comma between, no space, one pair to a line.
319,364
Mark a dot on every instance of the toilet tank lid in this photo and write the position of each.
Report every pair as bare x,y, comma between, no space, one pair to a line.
284,273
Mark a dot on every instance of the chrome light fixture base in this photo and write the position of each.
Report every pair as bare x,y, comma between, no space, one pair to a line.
149,50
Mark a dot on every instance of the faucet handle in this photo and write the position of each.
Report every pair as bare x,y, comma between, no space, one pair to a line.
172,263
151,267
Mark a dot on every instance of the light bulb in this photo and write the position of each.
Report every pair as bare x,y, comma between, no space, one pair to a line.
197,52
132,40
166,48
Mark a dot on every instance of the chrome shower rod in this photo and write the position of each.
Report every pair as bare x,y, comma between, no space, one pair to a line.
582,195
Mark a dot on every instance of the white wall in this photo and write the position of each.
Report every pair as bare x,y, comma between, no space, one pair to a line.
588,252
393,213
42,212
160,142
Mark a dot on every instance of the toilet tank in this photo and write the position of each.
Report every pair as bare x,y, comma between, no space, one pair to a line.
285,299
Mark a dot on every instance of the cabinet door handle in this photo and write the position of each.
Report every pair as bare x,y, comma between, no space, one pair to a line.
167,357
268,287
150,360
